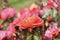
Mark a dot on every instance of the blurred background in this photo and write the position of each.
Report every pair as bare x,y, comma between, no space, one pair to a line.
21,3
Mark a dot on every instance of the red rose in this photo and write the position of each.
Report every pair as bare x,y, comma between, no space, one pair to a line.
30,22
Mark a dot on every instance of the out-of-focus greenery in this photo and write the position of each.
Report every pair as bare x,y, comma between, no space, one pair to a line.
56,39
20,3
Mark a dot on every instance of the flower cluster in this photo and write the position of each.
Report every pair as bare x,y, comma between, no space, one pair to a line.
52,31
35,16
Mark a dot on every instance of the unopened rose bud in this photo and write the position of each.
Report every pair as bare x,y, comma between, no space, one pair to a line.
46,24
59,29
14,34
49,18
33,5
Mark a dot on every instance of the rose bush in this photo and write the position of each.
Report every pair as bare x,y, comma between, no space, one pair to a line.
36,22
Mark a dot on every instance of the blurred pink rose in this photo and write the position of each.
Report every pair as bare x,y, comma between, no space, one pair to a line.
48,34
2,34
10,30
35,11
52,3
54,30
24,13
8,13
5,34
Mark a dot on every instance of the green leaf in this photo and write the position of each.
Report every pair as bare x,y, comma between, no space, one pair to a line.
36,37
56,39
29,37
46,13
5,25
44,2
54,12
1,21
